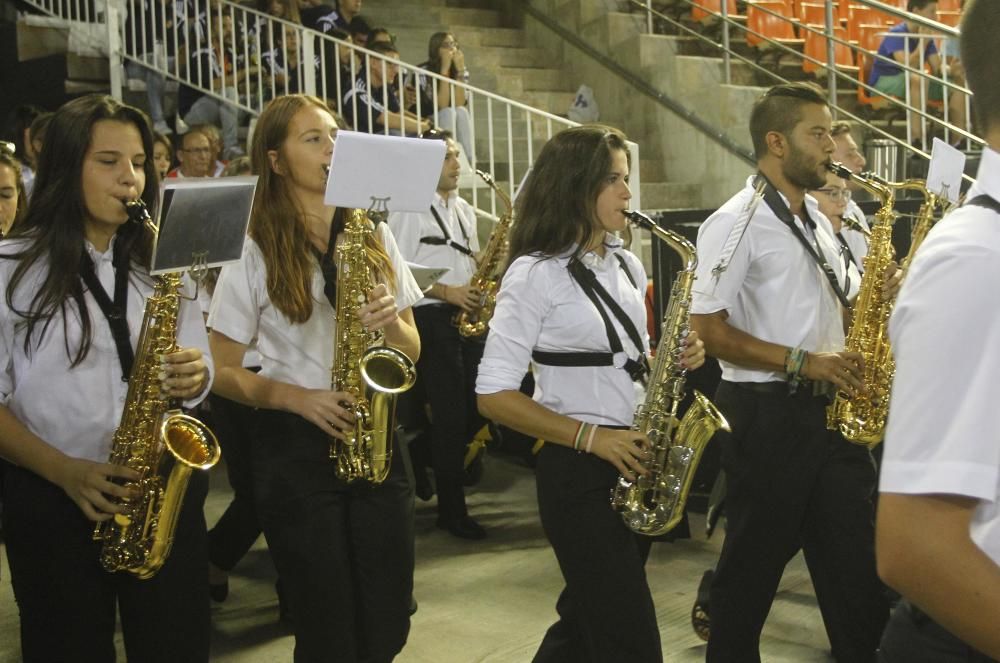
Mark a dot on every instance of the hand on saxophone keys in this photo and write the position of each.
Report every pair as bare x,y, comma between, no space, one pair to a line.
465,297
183,373
845,370
89,485
330,411
693,355
625,449
380,311
892,282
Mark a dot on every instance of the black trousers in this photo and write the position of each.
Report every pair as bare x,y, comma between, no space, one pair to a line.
792,484
606,612
238,527
67,601
913,637
344,552
447,375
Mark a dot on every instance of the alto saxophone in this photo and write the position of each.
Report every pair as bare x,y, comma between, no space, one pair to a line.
153,438
861,418
487,277
363,365
654,504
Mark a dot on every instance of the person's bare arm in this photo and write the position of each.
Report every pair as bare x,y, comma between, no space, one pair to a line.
925,552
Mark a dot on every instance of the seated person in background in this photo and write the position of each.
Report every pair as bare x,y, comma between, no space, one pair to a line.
325,18
271,32
359,29
219,69
195,156
215,139
381,36
380,101
163,154
891,79
448,60
237,167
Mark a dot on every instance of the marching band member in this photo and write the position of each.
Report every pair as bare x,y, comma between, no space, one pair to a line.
846,152
66,358
446,236
938,540
344,552
771,309
563,242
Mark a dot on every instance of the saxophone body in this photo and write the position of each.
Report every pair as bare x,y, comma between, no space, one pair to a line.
155,439
861,418
364,366
654,504
487,276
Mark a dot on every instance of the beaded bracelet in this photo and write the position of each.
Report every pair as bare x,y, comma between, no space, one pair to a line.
578,437
590,438
795,359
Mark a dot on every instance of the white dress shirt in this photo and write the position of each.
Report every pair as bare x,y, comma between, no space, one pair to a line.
772,288
541,307
459,218
942,436
857,241
77,410
299,354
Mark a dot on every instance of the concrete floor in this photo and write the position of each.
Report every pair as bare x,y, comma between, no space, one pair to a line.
488,601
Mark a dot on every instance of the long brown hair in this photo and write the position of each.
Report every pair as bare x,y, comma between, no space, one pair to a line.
278,224
557,207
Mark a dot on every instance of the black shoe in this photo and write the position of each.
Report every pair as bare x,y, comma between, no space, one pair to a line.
423,488
464,528
219,592
413,605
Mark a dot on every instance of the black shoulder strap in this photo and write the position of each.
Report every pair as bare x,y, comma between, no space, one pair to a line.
985,200
628,274
438,241
846,248
780,209
638,369
115,312
326,266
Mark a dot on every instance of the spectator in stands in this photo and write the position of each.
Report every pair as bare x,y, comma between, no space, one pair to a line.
347,61
446,104
195,156
283,65
271,32
12,198
146,28
218,147
320,16
17,130
163,154
382,104
381,36
359,29
220,70
889,77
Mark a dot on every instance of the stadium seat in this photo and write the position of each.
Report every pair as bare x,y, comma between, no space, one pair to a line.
768,23
816,48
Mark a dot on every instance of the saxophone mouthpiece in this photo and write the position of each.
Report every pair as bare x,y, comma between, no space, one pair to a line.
839,169
137,212
640,219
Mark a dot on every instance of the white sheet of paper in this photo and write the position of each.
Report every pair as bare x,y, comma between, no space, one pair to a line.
404,170
427,276
203,217
944,176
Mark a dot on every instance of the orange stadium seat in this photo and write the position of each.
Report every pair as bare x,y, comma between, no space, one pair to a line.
950,6
816,48
949,17
703,10
767,21
812,14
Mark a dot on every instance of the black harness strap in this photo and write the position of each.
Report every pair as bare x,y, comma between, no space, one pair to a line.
326,266
638,369
115,312
447,240
987,201
780,209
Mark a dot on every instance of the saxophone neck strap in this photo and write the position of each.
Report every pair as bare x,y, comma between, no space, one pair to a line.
845,248
447,240
780,210
326,266
115,311
987,201
638,369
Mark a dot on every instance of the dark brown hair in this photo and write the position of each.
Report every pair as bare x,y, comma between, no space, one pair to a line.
779,109
980,53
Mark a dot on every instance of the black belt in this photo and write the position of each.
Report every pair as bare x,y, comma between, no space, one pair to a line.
780,387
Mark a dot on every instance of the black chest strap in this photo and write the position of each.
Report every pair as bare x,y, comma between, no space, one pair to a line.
447,240
638,369
115,311
985,200
326,266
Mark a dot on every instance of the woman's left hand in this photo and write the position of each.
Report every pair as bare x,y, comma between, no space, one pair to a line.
183,373
380,311
694,352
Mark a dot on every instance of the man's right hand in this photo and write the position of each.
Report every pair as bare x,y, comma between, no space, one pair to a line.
844,370
465,297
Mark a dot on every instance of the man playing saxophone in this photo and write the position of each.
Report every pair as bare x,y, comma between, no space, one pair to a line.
74,275
564,249
343,550
771,307
446,235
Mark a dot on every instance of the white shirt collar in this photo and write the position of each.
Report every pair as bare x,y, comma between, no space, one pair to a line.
445,201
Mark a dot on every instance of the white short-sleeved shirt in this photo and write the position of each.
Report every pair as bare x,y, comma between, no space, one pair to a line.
77,410
299,354
941,437
772,288
459,218
541,307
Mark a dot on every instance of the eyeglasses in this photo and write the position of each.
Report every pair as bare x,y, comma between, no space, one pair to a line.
836,194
